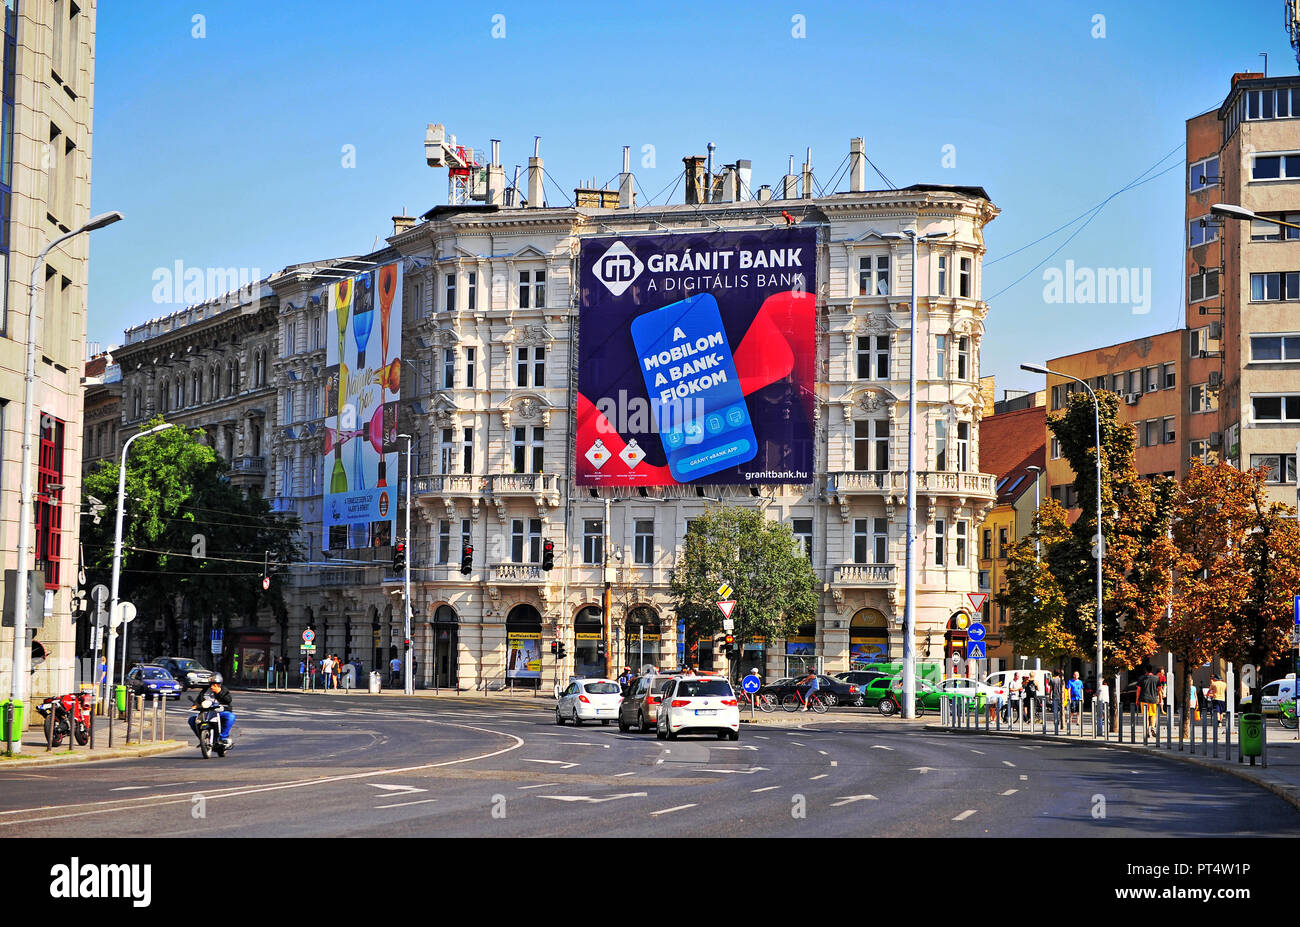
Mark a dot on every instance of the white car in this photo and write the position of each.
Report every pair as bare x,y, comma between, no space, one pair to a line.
960,685
695,704
589,700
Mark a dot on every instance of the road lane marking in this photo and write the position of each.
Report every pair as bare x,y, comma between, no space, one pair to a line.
743,772
406,804
835,762
127,804
621,775
980,752
1011,791
815,778
404,789
964,815
540,785
128,788
671,810
880,747
850,799
559,763
1024,778
762,737
923,769
1009,763
582,743
797,744
595,801
766,788
823,753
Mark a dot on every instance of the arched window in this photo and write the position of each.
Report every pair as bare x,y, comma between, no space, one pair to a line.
524,645
196,390
868,639
135,403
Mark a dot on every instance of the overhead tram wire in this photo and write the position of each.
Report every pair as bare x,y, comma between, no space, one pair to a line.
1096,211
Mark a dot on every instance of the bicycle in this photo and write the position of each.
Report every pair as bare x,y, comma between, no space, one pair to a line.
763,701
792,702
1286,714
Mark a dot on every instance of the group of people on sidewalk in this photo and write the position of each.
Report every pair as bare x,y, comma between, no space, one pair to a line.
334,673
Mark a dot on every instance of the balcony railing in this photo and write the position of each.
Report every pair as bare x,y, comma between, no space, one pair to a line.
524,573
448,485
865,574
526,484
894,481
250,465
500,484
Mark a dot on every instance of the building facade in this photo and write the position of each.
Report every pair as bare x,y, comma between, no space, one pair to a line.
48,92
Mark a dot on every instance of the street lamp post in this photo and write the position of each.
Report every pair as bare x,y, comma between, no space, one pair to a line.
409,675
18,666
909,568
1101,543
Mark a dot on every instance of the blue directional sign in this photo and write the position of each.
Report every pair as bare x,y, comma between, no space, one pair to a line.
976,632
751,684
1297,610
974,650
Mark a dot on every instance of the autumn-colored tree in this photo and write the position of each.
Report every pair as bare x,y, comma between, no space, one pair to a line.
1238,568
1033,593
1136,514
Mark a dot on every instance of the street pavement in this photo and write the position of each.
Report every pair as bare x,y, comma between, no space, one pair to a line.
323,765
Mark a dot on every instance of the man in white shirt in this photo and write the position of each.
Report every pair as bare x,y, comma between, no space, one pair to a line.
326,670
1101,705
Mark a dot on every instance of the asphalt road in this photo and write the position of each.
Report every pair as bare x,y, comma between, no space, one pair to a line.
314,765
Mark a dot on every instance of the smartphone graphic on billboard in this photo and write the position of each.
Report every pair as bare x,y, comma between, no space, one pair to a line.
690,378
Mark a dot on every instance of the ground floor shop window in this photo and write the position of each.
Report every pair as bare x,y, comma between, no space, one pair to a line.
868,639
524,646
589,643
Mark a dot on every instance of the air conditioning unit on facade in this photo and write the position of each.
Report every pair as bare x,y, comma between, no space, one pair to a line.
1216,439
1216,331
1132,398
1216,379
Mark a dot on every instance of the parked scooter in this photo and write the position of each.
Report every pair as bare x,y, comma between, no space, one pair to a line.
208,723
65,713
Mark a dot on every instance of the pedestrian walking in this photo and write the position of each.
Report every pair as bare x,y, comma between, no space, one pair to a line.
1101,706
326,671
1218,698
395,669
1058,695
1161,676
1029,691
1075,688
1016,691
1148,686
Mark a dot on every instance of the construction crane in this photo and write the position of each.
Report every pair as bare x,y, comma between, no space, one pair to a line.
466,177
1293,25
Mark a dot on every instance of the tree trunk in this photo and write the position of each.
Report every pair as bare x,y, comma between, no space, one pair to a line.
1186,724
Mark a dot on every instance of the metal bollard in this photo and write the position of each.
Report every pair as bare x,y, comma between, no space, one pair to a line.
163,733
1169,727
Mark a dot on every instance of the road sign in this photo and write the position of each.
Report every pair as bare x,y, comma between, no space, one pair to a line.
308,636
751,684
727,606
977,600
974,650
976,632
307,648
1297,611
99,594
724,591
125,614
962,620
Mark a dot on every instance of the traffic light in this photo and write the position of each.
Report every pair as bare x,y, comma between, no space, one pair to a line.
563,651
399,557
555,648
466,559
729,645
548,555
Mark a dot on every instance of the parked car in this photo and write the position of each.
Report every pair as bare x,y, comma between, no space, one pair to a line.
971,688
640,707
589,700
860,678
694,704
189,673
833,691
887,694
150,679
1270,695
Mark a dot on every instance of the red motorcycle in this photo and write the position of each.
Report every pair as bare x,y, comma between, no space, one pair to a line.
63,715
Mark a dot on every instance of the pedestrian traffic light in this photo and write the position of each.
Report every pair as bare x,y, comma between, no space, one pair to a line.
466,559
399,557
548,555
555,648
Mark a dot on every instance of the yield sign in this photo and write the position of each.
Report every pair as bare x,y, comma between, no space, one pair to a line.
977,600
727,605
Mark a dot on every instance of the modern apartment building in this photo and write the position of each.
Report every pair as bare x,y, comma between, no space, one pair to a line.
47,102
1244,280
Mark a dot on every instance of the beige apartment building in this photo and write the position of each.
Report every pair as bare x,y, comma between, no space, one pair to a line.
48,60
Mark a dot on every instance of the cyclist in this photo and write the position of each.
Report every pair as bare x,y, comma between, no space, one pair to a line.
806,687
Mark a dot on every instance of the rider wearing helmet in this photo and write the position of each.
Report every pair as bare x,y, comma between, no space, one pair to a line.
216,690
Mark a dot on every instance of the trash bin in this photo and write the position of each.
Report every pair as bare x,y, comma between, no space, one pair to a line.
17,734
374,682
1251,735
979,701
121,699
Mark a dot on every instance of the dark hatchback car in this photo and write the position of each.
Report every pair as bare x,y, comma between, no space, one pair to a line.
189,673
149,679
844,693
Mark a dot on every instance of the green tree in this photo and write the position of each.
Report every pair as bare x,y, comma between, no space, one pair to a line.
774,585
1136,514
1034,595
191,542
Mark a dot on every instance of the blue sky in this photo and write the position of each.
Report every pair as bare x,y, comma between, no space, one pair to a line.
227,150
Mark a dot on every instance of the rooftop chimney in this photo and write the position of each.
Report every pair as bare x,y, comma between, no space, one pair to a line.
626,195
857,165
744,175
790,183
512,194
807,176
729,183
535,195
695,190
764,194
496,176
402,224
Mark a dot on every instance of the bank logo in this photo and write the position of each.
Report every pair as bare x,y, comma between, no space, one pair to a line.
618,268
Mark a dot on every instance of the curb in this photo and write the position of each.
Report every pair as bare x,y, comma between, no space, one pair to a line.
545,702
86,756
1284,790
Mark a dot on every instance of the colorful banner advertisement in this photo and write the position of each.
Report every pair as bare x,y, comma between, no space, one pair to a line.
524,655
863,653
364,369
696,358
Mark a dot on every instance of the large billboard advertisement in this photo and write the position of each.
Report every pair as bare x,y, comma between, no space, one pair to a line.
696,358
363,340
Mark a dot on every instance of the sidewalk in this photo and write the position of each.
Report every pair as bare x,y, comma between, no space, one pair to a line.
34,751
1281,776
542,700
